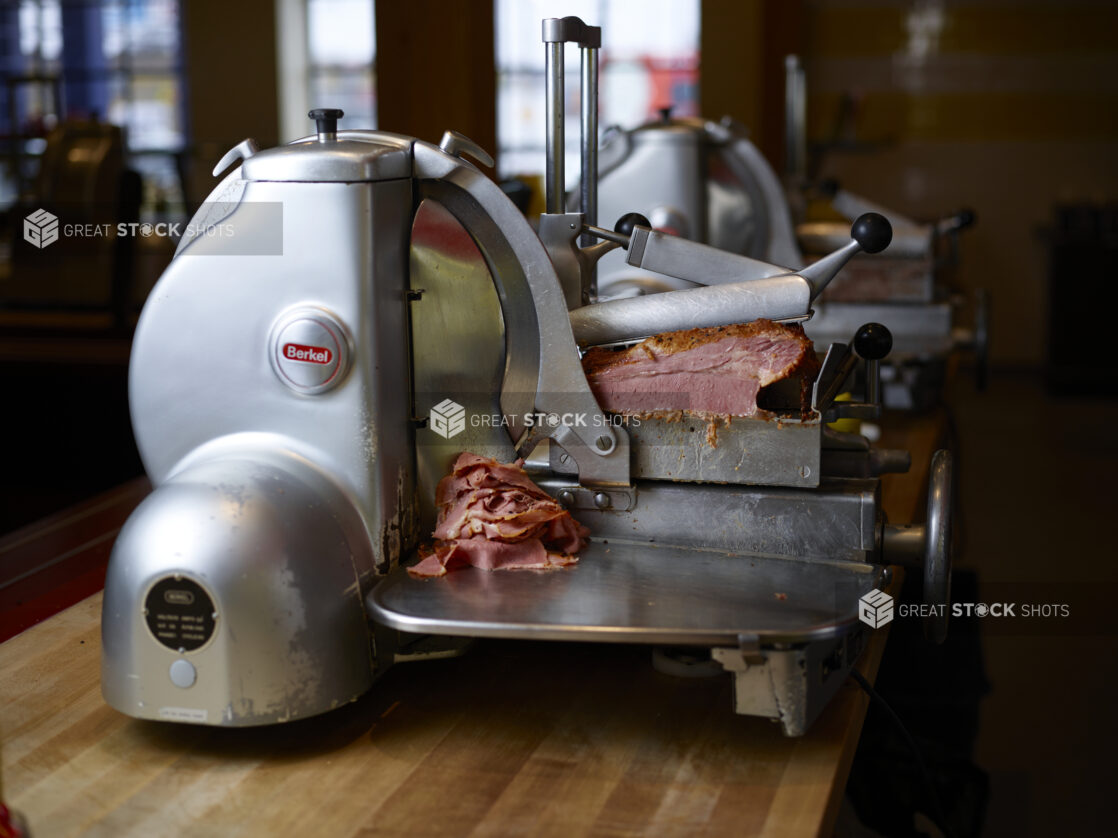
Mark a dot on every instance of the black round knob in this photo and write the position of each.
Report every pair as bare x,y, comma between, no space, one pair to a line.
326,119
873,342
628,221
873,231
665,114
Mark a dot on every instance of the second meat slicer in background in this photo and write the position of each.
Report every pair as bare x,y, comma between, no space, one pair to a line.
706,181
295,465
910,285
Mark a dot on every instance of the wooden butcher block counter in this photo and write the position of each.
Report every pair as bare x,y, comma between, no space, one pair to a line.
513,738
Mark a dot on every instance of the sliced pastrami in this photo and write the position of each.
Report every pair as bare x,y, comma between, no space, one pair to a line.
492,516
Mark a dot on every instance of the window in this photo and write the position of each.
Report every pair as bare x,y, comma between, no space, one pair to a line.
649,60
140,45
142,60
116,60
341,47
327,55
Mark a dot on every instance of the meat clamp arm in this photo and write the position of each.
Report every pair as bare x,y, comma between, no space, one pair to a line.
730,288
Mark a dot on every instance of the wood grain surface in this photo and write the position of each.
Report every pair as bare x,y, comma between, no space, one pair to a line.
513,738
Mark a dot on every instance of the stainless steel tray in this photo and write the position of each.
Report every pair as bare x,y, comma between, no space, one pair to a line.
637,593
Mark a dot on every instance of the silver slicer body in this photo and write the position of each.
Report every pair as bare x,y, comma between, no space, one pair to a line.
290,404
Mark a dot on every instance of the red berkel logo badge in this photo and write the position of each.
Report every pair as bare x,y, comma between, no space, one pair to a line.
307,354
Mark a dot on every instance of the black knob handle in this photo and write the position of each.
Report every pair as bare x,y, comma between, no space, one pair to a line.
665,114
873,231
965,218
873,341
326,119
628,221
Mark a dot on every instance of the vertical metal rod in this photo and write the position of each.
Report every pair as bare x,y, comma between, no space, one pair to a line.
795,120
554,177
873,382
589,179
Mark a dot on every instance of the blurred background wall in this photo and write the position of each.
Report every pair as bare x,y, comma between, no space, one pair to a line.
1010,108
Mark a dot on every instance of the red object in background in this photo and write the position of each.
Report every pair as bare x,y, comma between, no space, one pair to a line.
9,827
50,565
675,84
672,83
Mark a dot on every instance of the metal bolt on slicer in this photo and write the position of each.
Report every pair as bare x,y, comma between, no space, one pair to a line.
279,403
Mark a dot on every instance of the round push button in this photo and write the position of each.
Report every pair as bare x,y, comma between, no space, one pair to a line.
310,350
183,673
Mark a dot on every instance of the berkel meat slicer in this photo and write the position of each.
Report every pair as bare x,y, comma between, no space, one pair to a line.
707,181
282,400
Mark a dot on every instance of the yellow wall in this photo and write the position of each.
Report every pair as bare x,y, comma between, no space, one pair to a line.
1007,107
741,64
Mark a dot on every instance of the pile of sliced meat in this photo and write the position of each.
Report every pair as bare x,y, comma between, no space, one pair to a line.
714,372
492,516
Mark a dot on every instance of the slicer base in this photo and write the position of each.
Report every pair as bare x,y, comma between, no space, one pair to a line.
787,629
